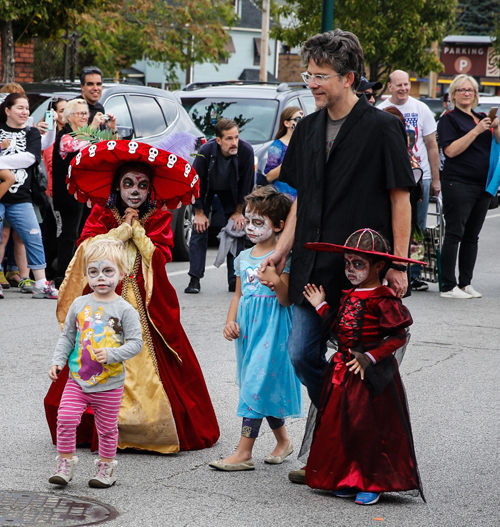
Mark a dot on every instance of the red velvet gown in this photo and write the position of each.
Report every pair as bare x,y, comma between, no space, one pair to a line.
362,437
179,371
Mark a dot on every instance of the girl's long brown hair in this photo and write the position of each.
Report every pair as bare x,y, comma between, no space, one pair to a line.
286,115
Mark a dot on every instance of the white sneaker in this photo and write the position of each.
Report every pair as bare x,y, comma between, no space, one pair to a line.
105,475
456,292
472,292
65,469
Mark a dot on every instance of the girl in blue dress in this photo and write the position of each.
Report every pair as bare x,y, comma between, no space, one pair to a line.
259,319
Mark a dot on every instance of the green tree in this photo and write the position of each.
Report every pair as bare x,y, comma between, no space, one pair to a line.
477,17
24,19
395,34
175,32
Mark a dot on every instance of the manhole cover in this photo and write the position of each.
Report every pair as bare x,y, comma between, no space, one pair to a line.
51,510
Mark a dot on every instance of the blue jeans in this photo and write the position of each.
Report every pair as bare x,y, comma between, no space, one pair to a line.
307,349
422,209
23,220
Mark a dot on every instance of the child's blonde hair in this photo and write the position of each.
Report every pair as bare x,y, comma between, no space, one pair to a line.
107,249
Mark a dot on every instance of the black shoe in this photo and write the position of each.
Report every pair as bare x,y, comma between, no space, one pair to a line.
194,286
419,285
231,287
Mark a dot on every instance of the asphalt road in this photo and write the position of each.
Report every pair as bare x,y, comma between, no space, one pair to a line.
450,371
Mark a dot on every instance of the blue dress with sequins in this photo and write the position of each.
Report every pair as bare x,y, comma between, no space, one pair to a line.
267,380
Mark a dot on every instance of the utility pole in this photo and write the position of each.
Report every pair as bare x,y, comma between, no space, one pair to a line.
264,41
327,16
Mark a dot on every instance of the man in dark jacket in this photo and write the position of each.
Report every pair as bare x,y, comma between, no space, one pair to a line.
350,166
226,169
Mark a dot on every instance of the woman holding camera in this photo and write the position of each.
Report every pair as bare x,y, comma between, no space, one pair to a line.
465,137
72,212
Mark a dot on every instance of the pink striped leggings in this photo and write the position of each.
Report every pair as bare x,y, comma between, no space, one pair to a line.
105,405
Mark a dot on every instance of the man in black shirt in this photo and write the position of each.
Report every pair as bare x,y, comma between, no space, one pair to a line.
350,166
225,166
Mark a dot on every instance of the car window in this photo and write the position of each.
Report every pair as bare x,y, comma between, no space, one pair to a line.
38,105
117,106
169,109
309,103
255,117
293,102
147,116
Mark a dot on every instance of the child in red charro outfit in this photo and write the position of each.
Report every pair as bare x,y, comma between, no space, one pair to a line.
362,444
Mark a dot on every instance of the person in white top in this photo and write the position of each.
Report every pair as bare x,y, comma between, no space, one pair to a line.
419,121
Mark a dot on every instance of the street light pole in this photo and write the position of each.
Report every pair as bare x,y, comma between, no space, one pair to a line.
327,17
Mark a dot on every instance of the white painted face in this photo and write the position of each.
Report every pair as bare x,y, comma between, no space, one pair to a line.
357,268
258,228
103,276
134,188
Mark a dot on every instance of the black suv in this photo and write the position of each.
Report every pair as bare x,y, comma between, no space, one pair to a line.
256,107
142,113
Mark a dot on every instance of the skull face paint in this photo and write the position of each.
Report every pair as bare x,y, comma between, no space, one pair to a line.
134,188
258,228
357,268
103,277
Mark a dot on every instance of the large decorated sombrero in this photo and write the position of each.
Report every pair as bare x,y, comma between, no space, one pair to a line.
332,248
92,171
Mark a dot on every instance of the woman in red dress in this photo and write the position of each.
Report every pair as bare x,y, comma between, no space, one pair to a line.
166,406
362,444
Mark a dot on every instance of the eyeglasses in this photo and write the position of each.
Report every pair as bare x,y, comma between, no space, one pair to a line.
369,94
465,90
81,114
318,79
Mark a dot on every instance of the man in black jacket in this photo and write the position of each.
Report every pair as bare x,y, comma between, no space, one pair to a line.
349,163
226,169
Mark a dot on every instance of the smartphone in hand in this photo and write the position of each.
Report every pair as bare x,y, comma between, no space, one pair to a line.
49,119
493,112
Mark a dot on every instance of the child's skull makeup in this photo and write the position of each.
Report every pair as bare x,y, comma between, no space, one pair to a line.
134,188
357,268
258,228
103,276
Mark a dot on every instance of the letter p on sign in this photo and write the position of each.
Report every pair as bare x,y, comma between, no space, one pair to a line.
463,65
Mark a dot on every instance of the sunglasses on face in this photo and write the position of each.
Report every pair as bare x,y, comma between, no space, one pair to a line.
368,95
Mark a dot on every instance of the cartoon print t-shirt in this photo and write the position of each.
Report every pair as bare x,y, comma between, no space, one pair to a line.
90,325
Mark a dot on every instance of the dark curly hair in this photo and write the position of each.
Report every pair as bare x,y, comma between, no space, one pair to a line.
338,49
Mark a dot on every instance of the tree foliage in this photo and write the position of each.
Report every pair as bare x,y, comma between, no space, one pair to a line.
395,34
477,17
175,32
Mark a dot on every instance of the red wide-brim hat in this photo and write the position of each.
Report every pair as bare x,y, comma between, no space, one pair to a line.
332,248
92,171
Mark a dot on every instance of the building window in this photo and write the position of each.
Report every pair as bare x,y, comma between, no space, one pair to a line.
228,46
257,51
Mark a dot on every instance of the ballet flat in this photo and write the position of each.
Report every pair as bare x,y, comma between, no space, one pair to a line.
277,460
232,467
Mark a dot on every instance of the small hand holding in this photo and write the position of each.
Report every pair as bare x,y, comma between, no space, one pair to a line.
101,355
495,122
483,125
111,124
269,274
398,282
231,330
43,127
5,144
98,120
54,372
314,295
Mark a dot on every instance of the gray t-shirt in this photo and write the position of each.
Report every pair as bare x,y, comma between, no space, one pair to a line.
90,325
332,129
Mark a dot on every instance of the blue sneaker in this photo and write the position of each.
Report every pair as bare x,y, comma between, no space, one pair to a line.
367,498
345,493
